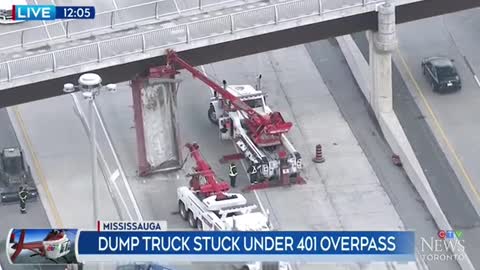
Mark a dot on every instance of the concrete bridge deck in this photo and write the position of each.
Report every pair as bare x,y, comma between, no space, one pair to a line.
39,76
113,15
182,34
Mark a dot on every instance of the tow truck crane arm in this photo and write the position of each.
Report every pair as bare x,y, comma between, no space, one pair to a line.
272,124
203,168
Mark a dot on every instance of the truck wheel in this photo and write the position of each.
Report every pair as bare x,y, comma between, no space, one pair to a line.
191,220
199,225
245,268
212,116
182,210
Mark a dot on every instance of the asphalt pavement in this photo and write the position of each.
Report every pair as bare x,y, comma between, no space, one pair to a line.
452,116
334,198
443,180
10,216
331,63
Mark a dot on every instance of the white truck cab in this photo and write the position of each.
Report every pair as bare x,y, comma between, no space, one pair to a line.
247,93
228,214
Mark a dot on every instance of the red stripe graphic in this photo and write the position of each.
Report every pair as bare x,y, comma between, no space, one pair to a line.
13,12
98,225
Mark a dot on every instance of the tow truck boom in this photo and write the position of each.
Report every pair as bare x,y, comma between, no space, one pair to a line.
203,168
259,125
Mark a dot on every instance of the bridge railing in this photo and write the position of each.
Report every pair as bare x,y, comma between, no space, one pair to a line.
154,10
164,38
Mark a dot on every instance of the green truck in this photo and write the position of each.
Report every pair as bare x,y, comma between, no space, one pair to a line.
14,172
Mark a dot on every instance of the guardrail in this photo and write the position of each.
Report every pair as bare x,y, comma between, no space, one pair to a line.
104,20
166,37
114,174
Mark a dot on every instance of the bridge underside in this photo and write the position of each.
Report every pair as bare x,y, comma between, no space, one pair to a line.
238,48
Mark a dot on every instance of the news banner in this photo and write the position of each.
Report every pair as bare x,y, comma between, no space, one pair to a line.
51,12
147,241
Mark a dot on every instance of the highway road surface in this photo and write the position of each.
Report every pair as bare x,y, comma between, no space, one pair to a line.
445,184
331,63
10,213
452,117
342,194
337,198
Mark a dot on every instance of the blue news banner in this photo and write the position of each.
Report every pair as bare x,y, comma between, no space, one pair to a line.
246,246
51,12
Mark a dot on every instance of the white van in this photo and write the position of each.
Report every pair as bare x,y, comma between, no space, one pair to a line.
6,10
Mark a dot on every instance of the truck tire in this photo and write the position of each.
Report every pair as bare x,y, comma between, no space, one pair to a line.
191,220
211,115
182,210
199,225
245,267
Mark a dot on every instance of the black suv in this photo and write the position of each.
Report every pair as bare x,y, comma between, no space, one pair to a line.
441,73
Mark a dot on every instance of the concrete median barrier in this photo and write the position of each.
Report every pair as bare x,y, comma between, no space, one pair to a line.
399,143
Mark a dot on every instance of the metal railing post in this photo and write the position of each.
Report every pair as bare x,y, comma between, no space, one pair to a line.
320,7
187,33
22,38
364,2
275,9
9,72
67,29
156,10
99,52
144,46
112,19
232,24
54,62
200,4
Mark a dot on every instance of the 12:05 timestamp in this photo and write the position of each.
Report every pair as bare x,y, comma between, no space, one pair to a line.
78,12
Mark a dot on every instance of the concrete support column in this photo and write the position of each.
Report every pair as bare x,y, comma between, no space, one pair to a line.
381,46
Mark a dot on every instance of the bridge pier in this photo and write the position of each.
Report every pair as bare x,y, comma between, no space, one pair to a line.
381,46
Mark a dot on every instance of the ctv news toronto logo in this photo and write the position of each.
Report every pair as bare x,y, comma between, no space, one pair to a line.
446,246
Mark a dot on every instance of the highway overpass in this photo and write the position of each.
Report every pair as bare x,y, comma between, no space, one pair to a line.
49,82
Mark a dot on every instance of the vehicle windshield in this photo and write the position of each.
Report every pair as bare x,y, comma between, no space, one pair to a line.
254,103
446,72
12,165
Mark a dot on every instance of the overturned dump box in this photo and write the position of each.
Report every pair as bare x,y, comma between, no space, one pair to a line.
155,106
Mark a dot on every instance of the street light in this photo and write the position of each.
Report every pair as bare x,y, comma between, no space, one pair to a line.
90,85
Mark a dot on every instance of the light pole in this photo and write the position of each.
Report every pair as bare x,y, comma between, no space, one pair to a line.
90,85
